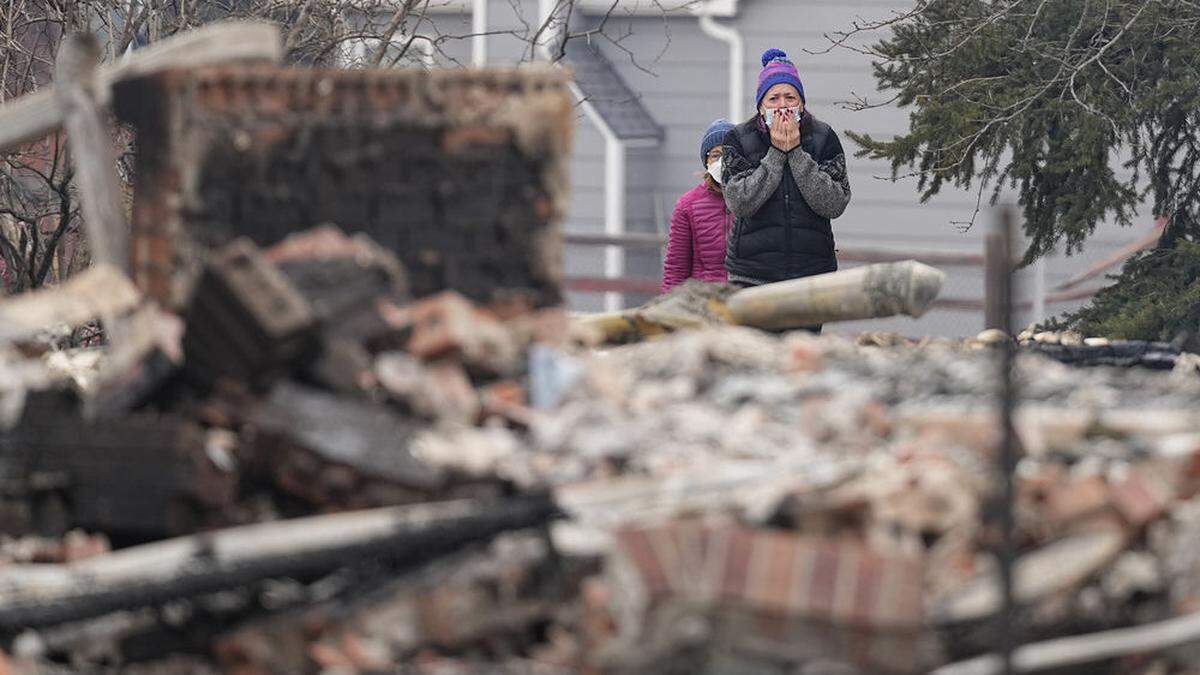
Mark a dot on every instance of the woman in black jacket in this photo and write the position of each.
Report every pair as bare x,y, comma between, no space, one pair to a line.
785,180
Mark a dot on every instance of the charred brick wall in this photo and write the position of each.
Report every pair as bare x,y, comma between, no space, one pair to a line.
461,173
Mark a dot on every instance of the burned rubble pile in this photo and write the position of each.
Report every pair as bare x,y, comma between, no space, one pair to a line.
309,471
297,383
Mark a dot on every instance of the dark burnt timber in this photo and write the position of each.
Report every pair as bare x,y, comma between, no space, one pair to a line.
324,448
143,475
460,174
38,595
1123,354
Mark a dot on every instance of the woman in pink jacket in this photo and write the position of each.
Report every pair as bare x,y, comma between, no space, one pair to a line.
696,243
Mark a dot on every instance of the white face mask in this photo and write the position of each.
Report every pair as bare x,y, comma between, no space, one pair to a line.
714,169
770,115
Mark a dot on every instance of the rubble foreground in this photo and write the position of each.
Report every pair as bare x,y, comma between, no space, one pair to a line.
423,482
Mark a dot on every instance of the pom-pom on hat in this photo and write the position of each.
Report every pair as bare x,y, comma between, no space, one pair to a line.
777,69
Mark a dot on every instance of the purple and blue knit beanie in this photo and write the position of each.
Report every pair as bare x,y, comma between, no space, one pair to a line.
713,137
777,69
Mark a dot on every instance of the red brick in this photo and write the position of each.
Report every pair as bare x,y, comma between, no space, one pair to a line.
665,543
1139,499
636,545
447,324
822,585
1065,502
736,569
328,656
457,141
713,543
671,544
442,325
780,574
775,556
507,400
868,590
901,597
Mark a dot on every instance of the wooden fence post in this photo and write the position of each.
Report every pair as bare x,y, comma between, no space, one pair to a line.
90,141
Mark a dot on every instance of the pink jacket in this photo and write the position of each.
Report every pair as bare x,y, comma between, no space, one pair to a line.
696,243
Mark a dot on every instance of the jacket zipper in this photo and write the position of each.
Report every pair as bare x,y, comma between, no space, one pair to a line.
787,219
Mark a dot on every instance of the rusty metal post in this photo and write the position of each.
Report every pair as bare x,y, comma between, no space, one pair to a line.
996,269
999,307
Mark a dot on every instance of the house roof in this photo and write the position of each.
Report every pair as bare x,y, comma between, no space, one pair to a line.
603,87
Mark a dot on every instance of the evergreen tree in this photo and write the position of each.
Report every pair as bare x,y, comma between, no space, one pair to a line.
1048,97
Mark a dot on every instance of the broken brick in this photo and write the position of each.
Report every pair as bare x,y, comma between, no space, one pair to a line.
302,432
448,325
1139,499
842,582
1059,501
507,400
245,320
438,390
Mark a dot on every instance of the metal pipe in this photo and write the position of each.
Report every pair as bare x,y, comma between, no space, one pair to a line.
1000,254
614,165
546,10
737,61
614,214
479,28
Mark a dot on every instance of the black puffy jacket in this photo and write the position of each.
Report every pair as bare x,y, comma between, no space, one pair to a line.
785,238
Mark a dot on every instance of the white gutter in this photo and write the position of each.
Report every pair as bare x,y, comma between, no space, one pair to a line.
614,215
614,168
479,28
737,61
545,10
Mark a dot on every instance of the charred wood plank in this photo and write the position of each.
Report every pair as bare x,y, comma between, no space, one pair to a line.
502,592
91,138
1121,354
32,596
324,447
101,290
141,475
35,115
